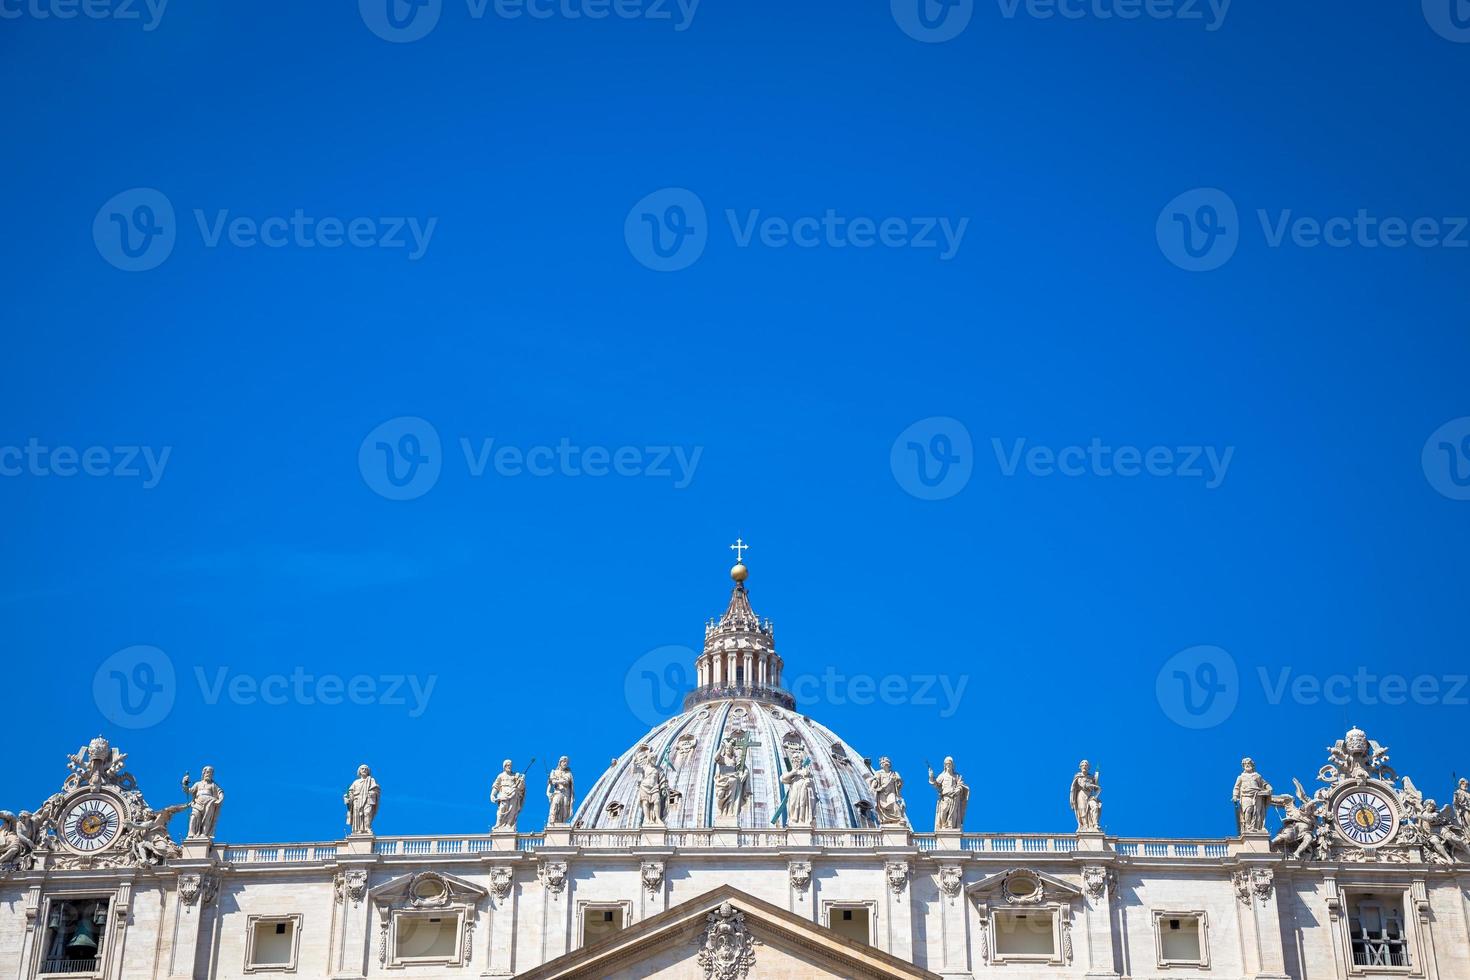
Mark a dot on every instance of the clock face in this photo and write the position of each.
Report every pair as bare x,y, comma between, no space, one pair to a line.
1365,817
91,824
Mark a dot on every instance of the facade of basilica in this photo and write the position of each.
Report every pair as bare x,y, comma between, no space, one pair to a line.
742,840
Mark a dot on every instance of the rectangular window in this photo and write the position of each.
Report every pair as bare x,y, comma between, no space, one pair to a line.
599,923
1029,935
851,922
272,942
1182,938
75,931
420,937
1376,930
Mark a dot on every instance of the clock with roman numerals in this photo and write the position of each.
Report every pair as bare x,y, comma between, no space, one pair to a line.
1365,816
91,824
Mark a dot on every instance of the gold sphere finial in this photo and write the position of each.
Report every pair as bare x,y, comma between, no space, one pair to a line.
739,572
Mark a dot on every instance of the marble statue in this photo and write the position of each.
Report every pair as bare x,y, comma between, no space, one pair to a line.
205,799
152,846
508,793
1252,796
1300,824
887,786
16,845
559,793
653,787
730,778
954,796
361,800
801,794
1461,804
1436,830
1086,805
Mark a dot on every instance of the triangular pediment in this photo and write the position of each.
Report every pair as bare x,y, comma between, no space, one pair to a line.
1023,886
726,922
428,890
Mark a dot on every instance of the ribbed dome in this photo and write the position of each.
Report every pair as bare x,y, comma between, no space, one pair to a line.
686,746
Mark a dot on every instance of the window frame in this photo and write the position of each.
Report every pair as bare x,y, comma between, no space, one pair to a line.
113,897
589,905
829,905
1385,897
1057,957
295,920
397,961
1161,918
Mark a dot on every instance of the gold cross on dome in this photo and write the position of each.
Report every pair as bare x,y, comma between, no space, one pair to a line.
739,547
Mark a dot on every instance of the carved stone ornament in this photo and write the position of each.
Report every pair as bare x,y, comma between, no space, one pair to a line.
1255,881
950,878
500,881
653,876
727,949
1066,938
426,890
1023,887
197,889
553,875
352,886
898,876
1098,881
801,874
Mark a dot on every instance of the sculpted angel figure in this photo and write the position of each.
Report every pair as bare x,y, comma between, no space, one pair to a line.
886,786
801,794
153,845
1252,796
559,794
508,793
361,799
954,797
1085,793
16,845
1299,824
1436,831
205,798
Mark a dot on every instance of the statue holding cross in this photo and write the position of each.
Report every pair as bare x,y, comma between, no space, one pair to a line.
732,775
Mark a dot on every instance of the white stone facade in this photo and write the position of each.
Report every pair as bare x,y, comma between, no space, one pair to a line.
701,871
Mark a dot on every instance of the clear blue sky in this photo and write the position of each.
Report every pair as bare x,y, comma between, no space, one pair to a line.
532,317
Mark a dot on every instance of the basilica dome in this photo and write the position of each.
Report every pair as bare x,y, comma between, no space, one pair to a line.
738,734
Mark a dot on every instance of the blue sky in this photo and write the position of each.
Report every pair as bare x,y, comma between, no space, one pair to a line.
462,250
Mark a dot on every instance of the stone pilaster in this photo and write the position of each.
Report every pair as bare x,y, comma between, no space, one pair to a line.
900,909
352,916
954,923
504,895
556,887
194,893
1255,892
1100,939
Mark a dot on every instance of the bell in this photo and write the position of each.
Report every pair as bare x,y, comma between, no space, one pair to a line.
83,940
